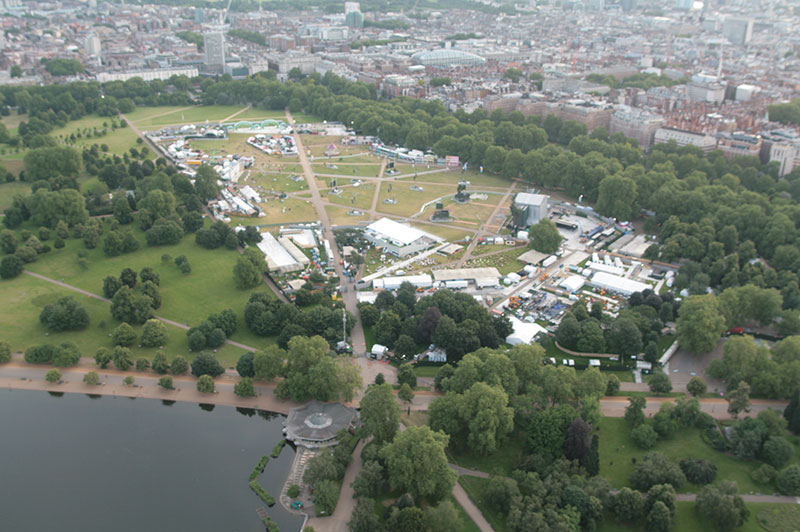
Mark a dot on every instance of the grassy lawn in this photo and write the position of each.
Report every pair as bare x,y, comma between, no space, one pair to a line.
280,211
305,118
344,169
409,201
664,342
687,520
476,179
275,182
476,489
9,190
119,140
415,419
499,463
369,337
505,262
254,114
359,197
617,452
426,371
451,234
161,116
211,278
12,120
339,216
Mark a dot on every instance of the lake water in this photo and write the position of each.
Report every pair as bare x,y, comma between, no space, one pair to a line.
76,463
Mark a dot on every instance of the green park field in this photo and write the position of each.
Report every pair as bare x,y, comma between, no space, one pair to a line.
359,197
119,141
345,169
338,216
211,280
409,202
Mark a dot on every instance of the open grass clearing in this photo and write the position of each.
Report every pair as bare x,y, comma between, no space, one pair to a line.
255,114
359,197
119,141
274,182
181,115
476,179
13,120
451,234
288,210
501,462
142,113
408,202
345,169
305,118
617,452
426,371
338,216
210,283
414,419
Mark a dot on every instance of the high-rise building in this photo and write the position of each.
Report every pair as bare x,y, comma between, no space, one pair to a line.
349,7
92,45
684,4
628,5
199,15
738,30
353,18
214,45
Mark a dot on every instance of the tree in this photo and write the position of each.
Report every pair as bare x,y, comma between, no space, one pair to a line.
128,380
624,337
5,352
122,358
612,385
696,386
405,346
244,367
700,323
644,436
777,451
788,480
405,393
739,399
166,382
206,364
406,375
627,504
160,364
659,382
616,196
370,480
578,440
634,412
91,378
154,333
500,492
486,415
416,463
363,518
66,314
659,518
110,286
244,388
380,413
267,363
698,470
246,274
10,266
102,357
53,376
127,307
142,364
654,468
724,509
443,518
544,236
205,384
179,366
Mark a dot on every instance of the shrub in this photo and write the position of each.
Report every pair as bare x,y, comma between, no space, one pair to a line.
128,381
654,468
612,385
166,382
92,378
276,451
259,468
268,499
206,364
53,376
122,358
293,491
698,471
66,314
160,364
142,364
5,352
102,357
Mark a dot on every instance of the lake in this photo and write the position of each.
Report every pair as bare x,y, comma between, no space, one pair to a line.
76,463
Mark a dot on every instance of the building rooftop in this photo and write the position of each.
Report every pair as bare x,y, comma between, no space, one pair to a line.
526,198
315,424
397,232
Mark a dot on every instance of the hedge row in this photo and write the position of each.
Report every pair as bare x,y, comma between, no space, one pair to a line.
262,463
268,499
